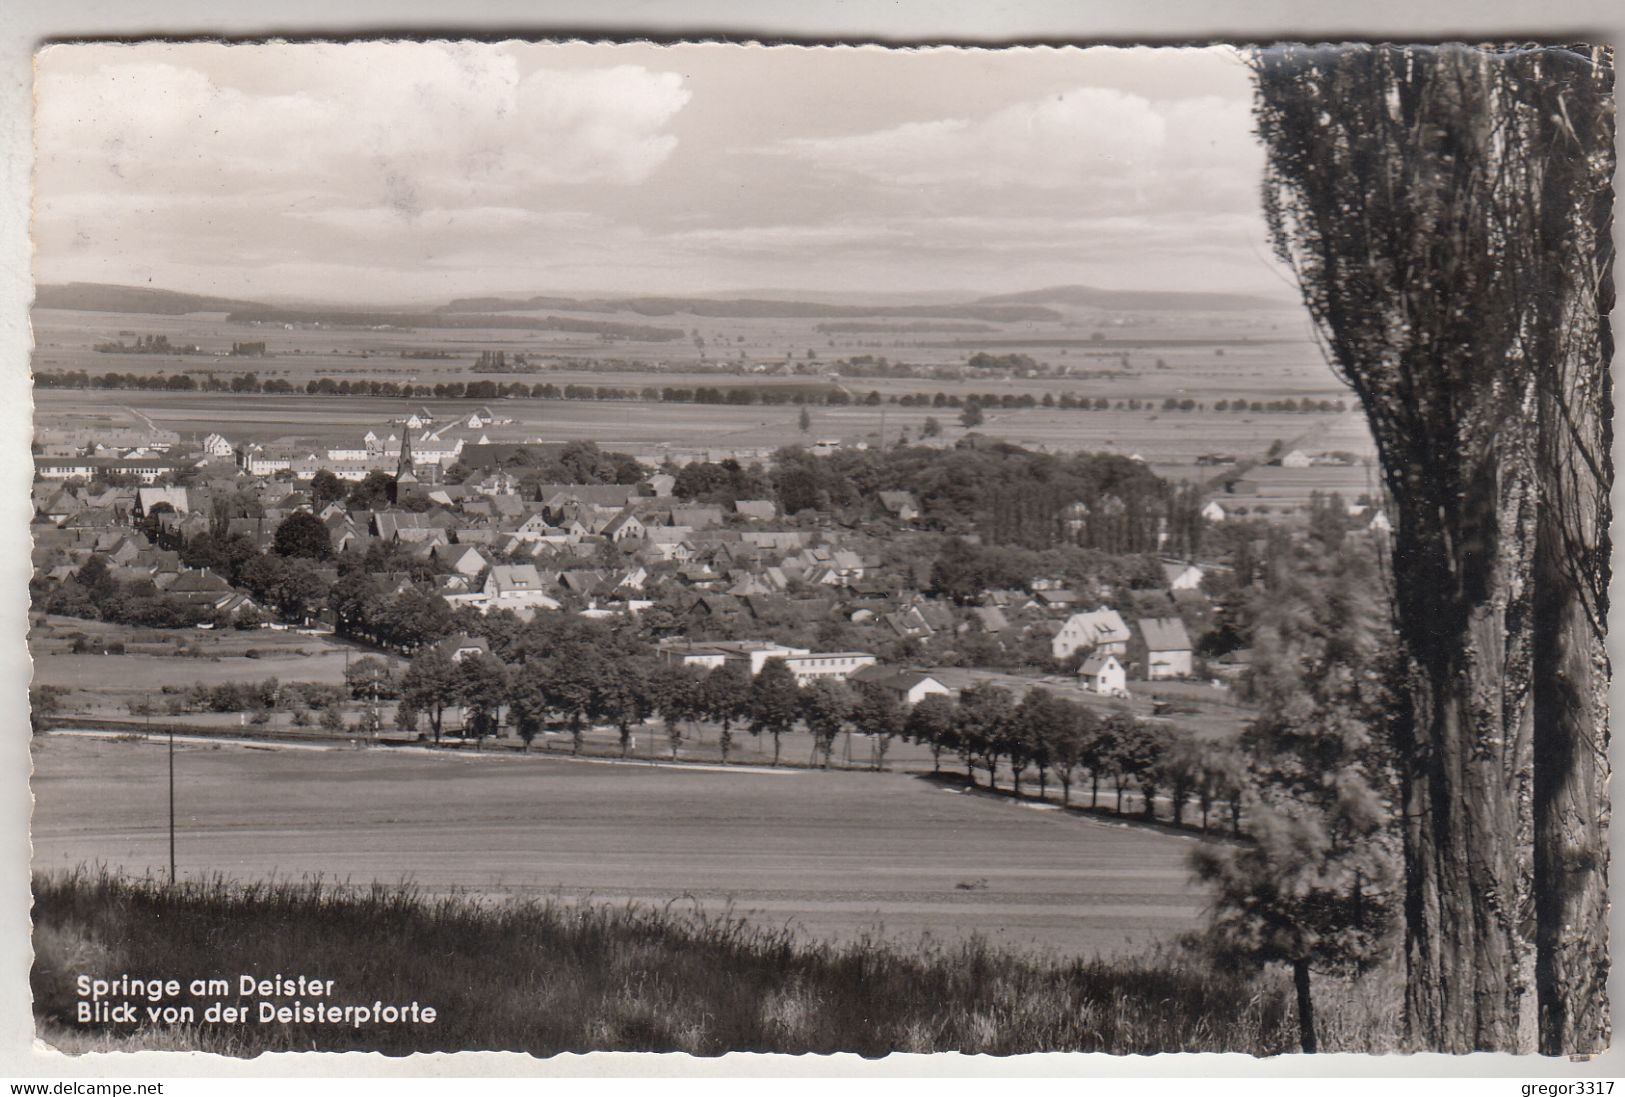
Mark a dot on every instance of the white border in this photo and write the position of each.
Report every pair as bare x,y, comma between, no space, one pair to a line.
28,23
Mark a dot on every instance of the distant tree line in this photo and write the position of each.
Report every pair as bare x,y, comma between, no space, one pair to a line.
146,344
793,394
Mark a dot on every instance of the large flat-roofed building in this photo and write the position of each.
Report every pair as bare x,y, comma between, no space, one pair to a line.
752,655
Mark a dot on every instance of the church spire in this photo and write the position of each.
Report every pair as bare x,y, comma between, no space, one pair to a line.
406,480
405,466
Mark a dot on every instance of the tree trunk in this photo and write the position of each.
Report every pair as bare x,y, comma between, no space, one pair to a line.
775,748
1306,1008
1484,418
1467,769
1571,675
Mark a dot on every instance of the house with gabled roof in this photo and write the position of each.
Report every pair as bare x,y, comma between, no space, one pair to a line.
582,581
1101,673
989,619
200,586
556,496
1182,576
900,505
518,587
906,687
462,646
908,623
146,498
757,510
713,605
460,559
697,516
1167,648
1101,630
625,526
1055,599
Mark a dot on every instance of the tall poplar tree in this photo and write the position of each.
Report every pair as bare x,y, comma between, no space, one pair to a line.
1445,210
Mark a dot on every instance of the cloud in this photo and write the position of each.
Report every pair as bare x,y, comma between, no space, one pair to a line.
464,167
1053,142
401,127
1105,148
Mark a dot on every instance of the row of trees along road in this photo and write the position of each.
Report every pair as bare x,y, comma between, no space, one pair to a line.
576,674
1048,736
562,671
1446,211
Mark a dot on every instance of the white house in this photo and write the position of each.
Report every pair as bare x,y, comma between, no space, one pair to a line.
215,445
1213,512
1102,630
1295,459
1167,648
517,587
1104,675
462,646
1182,576
907,687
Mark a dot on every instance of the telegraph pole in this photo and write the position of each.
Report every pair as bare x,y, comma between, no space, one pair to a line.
172,805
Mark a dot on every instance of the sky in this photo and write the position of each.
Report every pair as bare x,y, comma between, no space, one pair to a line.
406,172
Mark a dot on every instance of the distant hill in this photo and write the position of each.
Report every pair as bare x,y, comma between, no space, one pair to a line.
1037,304
355,318
749,308
98,297
1147,300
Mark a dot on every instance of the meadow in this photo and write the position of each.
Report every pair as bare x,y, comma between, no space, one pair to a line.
836,855
543,977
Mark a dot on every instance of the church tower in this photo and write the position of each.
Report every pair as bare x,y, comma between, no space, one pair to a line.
406,481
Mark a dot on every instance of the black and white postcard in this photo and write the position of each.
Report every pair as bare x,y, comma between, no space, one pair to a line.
702,547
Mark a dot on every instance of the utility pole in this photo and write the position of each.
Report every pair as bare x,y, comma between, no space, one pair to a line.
171,805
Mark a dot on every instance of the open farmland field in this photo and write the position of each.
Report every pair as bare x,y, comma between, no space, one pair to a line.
106,685
1226,345
1209,357
836,854
1148,357
1162,438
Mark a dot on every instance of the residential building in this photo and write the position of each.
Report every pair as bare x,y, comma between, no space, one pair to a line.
1103,674
1101,630
1167,648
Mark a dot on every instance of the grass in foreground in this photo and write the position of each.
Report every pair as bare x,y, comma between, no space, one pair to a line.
545,977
